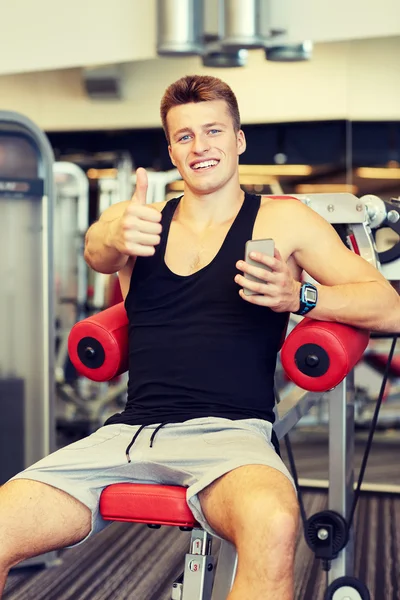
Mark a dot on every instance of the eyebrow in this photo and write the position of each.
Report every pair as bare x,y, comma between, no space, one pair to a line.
206,126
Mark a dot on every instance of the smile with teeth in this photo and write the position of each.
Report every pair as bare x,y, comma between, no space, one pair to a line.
206,164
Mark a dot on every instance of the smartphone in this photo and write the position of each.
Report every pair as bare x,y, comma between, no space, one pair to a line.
266,246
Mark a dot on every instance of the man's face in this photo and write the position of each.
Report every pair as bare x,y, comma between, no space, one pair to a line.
203,144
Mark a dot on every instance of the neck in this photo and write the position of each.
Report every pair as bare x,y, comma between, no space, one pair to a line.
214,208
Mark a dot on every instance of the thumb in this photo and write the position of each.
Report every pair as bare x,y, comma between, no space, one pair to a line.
140,195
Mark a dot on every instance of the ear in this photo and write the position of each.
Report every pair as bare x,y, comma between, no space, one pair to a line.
241,142
170,155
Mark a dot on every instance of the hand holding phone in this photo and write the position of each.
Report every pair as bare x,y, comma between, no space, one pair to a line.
267,247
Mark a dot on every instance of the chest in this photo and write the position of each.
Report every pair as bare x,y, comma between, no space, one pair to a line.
188,252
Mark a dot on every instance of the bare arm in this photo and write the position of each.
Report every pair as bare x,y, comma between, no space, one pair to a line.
350,290
100,254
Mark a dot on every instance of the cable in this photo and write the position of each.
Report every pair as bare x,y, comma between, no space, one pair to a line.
372,432
366,453
296,480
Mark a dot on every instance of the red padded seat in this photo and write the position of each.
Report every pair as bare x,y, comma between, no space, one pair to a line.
379,362
147,503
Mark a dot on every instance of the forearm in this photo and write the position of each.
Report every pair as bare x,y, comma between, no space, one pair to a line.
99,253
370,305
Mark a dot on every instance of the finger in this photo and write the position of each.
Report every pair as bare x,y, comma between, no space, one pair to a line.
143,213
143,239
264,259
256,286
142,183
147,224
260,300
263,274
256,299
138,250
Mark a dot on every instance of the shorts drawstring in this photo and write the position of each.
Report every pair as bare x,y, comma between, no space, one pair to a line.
136,435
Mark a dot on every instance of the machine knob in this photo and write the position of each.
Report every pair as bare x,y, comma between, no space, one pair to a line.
323,534
393,216
90,353
312,360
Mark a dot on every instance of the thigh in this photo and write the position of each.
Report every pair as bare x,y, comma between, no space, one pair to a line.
36,518
241,503
62,490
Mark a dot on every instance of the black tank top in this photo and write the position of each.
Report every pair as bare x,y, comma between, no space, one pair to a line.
196,348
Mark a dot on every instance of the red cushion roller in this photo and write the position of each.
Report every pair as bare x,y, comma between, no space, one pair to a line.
147,503
98,345
318,355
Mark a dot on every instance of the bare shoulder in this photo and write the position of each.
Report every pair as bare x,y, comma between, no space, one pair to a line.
159,205
281,205
292,224
293,211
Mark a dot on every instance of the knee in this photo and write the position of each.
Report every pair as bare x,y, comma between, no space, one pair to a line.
283,525
272,520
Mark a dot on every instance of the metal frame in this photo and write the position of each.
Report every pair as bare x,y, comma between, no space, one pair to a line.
75,188
200,581
40,444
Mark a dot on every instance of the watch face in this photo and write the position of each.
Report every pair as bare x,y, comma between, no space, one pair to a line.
310,295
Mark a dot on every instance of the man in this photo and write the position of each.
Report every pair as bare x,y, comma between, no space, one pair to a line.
202,353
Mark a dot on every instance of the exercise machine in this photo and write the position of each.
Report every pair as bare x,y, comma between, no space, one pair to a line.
27,425
319,358
357,220
82,405
71,222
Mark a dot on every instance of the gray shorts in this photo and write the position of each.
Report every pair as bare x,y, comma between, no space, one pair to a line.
192,454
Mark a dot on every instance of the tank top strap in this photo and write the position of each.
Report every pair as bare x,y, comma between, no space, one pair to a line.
167,215
242,227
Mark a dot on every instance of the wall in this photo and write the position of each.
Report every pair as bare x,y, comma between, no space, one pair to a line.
39,35
55,34
356,80
327,20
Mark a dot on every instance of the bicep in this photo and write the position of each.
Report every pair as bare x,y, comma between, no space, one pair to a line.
322,254
114,211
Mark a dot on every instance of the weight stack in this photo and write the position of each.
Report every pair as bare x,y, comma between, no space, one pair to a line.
12,428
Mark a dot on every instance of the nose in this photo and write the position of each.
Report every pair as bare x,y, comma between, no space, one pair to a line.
201,144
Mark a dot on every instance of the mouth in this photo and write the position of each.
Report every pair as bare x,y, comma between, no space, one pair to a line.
204,165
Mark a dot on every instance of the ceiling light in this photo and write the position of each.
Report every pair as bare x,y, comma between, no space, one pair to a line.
102,173
284,170
378,173
289,52
225,58
326,188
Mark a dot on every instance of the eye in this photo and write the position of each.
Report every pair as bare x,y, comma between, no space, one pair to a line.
214,131
184,138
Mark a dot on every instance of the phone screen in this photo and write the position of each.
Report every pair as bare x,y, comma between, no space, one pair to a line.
266,246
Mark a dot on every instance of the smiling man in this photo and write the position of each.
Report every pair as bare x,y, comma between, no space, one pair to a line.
202,354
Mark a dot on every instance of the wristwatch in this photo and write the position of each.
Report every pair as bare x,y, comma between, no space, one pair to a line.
308,298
